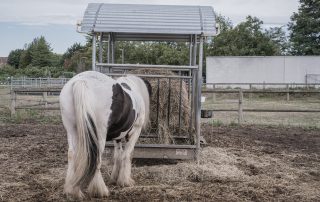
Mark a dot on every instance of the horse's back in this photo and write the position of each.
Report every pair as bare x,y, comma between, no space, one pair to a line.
97,84
98,91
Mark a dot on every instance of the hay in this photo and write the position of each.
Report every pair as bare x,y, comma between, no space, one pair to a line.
216,164
164,130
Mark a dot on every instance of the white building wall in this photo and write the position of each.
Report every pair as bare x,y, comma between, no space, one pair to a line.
256,69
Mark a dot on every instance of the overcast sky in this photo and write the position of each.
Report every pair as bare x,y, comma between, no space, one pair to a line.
23,20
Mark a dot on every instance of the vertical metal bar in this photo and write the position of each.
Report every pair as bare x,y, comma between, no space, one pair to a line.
194,82
158,100
180,102
192,102
112,48
190,63
100,47
109,48
94,39
122,56
189,85
169,97
198,109
190,50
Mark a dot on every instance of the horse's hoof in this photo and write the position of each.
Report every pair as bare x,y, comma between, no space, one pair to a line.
100,194
126,183
113,180
74,194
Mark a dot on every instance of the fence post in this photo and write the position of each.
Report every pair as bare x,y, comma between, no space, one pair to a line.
250,94
288,94
13,102
44,97
213,94
240,112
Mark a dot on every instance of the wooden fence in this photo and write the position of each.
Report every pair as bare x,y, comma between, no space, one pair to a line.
45,105
251,91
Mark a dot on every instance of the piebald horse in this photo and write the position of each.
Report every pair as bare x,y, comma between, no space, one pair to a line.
95,108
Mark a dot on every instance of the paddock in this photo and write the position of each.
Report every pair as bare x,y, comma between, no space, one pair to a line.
279,161
255,163
238,163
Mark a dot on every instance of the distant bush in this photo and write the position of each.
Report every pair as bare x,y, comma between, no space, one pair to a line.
33,71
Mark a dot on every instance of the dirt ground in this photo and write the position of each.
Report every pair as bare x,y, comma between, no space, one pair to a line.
249,163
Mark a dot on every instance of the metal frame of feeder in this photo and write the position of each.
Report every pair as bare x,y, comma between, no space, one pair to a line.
95,22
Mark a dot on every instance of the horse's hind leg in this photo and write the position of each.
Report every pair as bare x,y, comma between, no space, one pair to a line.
124,178
116,160
97,187
69,188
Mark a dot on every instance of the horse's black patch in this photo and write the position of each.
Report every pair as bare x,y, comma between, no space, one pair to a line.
126,86
148,85
123,115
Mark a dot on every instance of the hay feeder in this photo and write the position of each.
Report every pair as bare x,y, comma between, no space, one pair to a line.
174,131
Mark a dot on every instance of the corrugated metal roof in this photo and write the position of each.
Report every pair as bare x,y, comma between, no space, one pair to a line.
149,19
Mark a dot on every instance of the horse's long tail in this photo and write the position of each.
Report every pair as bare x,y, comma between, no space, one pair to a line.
86,158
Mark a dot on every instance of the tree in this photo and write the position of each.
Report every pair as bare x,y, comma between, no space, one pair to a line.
245,39
70,52
224,23
37,53
25,59
278,35
76,55
305,28
40,52
14,57
55,60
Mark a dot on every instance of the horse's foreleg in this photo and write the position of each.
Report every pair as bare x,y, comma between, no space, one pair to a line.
97,187
124,178
116,161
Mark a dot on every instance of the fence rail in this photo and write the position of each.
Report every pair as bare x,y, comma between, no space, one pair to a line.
261,91
25,82
306,90
264,86
43,91
44,105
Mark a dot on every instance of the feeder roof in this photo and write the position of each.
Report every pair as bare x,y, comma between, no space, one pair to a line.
133,20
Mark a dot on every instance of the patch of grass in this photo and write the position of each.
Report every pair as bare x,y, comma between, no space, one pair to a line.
234,124
310,128
33,116
216,123
23,116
